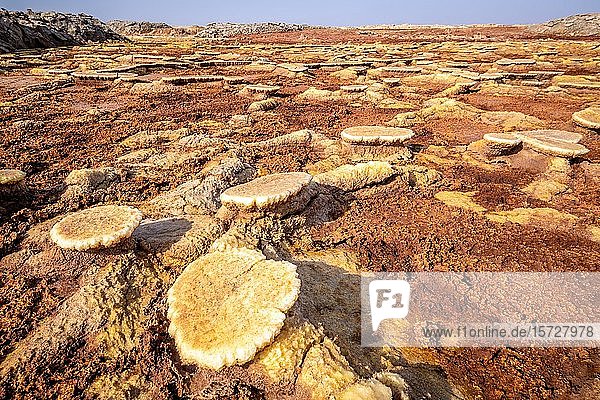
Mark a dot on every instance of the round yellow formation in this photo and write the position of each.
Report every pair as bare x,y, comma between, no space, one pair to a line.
228,305
376,135
554,142
266,191
550,134
101,226
557,147
261,88
505,139
11,176
588,118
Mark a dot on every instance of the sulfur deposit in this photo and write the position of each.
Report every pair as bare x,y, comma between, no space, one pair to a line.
226,306
102,226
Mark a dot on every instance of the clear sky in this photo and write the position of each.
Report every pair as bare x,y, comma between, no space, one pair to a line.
319,12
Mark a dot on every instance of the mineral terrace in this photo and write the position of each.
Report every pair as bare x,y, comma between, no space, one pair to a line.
186,215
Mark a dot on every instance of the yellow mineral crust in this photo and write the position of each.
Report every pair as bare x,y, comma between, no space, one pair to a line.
325,371
226,306
263,105
101,226
557,148
504,139
370,389
523,216
376,135
460,199
353,177
550,134
11,176
282,358
266,191
588,118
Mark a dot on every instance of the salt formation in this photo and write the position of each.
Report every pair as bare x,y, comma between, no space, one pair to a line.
226,306
376,135
266,191
588,118
101,226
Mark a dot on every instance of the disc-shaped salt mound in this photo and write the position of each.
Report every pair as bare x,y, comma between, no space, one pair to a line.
226,306
294,67
354,88
11,176
504,139
266,191
391,81
260,88
588,118
550,134
376,135
101,226
182,80
557,148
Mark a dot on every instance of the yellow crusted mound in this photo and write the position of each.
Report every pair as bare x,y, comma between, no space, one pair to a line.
504,139
588,118
557,148
260,88
376,135
266,191
550,134
354,177
370,389
11,176
226,306
263,105
101,226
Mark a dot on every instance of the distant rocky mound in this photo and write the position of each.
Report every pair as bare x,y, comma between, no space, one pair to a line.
133,28
575,25
137,27
26,30
224,30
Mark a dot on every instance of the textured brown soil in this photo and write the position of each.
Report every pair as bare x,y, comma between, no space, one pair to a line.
392,227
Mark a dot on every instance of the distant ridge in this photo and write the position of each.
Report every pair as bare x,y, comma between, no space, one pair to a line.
575,25
137,27
27,30
228,29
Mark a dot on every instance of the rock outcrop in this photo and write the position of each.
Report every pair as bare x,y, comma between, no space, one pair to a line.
574,25
137,27
28,30
224,30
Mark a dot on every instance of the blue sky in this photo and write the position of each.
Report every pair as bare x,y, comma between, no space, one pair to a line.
319,12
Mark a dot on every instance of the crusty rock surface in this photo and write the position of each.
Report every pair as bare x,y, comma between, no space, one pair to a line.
574,25
27,30
137,27
225,30
139,123
226,306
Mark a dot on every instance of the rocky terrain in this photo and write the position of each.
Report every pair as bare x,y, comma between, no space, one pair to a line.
141,182
135,28
138,27
26,30
226,30
584,25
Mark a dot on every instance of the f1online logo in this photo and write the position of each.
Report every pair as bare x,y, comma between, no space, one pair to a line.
388,300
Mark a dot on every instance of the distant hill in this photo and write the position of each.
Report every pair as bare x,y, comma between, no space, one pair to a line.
134,28
227,29
27,30
137,27
575,25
